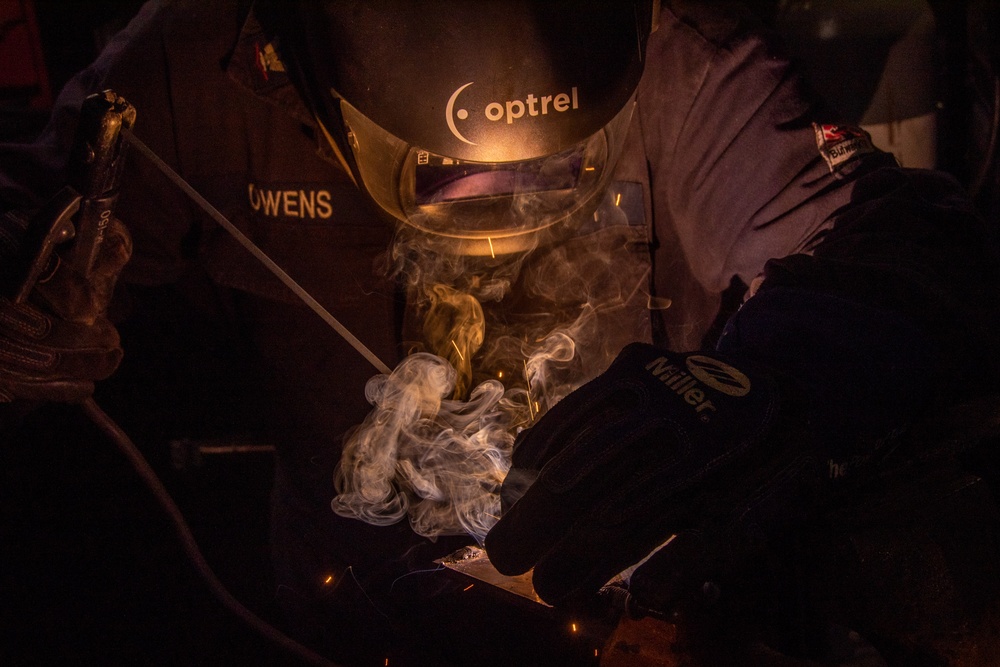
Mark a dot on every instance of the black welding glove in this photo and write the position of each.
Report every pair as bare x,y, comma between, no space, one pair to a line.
730,455
59,341
660,444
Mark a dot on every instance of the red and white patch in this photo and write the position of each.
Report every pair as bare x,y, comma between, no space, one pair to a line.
840,144
267,60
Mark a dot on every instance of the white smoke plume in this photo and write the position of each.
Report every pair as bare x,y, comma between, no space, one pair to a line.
439,460
502,340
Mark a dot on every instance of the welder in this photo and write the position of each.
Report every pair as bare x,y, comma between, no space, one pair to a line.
759,415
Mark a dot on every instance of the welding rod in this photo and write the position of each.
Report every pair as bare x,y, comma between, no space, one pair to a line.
259,254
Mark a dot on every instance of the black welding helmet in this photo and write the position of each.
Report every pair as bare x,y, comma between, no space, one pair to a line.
485,125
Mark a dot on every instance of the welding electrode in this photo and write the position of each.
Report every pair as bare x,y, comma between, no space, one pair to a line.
259,254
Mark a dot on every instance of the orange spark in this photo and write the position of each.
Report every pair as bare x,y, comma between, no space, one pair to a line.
467,587
531,413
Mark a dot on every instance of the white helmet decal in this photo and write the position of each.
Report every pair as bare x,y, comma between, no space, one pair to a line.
462,114
510,110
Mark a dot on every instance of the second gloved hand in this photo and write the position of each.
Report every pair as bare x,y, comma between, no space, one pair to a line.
660,444
57,343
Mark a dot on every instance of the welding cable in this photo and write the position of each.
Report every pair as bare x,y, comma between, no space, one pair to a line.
121,439
258,254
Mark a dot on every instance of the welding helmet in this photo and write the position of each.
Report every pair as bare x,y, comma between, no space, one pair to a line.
486,126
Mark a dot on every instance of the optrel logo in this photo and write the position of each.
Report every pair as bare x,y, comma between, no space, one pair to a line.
509,110
718,375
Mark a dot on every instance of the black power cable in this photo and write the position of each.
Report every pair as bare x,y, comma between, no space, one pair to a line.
190,546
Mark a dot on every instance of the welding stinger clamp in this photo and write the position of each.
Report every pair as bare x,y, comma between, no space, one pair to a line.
80,211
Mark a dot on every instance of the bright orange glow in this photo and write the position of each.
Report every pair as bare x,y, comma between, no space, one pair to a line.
468,587
573,626
618,199
328,579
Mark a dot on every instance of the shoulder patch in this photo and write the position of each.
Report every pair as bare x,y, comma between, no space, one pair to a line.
267,60
840,144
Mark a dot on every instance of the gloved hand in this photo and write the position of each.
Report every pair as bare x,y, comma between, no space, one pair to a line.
661,444
57,343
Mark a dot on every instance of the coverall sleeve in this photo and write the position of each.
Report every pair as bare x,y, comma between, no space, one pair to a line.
729,130
879,291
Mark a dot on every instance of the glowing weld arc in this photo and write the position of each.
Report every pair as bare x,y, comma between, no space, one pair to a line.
259,254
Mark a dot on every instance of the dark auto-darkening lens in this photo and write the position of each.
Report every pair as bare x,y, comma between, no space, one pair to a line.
437,181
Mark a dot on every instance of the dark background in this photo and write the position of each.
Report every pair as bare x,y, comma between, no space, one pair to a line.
91,570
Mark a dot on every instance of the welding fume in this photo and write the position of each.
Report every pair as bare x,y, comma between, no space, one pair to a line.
519,259
649,333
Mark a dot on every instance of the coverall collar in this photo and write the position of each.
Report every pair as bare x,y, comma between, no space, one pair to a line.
255,65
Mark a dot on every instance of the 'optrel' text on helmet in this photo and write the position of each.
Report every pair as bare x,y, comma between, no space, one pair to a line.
484,124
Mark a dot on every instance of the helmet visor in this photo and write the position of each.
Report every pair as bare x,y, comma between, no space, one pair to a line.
484,208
